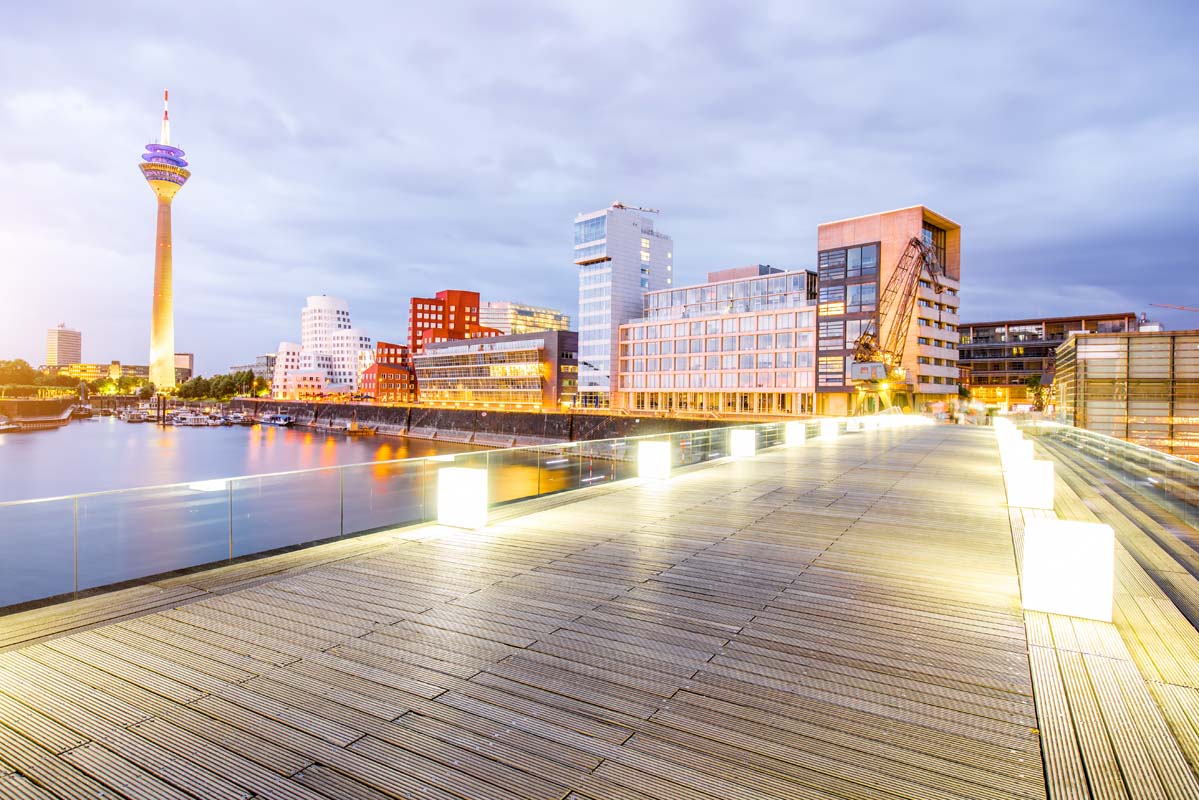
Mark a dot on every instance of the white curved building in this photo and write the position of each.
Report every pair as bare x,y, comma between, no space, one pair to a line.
330,354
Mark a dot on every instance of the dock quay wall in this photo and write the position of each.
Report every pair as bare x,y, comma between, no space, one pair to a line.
488,428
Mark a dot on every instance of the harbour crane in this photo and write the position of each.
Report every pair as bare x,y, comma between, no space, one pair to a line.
618,204
877,366
1176,308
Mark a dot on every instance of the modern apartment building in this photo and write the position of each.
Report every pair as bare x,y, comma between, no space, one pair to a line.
620,259
742,343
1009,359
329,354
857,257
1142,387
392,377
529,371
508,318
63,346
448,316
110,369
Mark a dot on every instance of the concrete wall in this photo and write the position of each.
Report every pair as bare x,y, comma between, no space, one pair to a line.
423,422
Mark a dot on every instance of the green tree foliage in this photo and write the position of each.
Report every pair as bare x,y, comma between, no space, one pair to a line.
218,387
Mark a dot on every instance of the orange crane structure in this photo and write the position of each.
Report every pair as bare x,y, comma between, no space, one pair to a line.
877,366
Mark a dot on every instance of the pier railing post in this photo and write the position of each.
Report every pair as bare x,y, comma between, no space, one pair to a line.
76,545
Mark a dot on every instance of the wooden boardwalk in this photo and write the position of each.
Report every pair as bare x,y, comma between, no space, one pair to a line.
840,620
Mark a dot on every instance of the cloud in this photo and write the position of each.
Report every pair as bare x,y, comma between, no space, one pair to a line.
379,155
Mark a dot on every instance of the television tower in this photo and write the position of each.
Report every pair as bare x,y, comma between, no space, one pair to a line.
165,170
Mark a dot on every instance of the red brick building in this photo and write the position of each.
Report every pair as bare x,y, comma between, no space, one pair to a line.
391,379
453,314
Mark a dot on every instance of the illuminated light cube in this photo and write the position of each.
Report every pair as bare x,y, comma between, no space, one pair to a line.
853,425
870,423
1030,485
794,433
743,443
462,497
1069,568
653,460
828,428
1015,453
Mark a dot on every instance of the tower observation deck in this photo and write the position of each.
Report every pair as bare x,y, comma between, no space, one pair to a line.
166,171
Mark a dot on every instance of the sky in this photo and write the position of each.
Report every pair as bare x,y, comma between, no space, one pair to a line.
380,151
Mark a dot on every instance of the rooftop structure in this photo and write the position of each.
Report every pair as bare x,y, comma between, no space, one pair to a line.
164,168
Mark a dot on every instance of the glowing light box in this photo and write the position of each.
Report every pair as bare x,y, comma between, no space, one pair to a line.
828,429
462,497
653,460
743,443
794,433
1030,485
1069,568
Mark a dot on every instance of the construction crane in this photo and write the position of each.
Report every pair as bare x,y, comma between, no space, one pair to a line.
877,366
1177,308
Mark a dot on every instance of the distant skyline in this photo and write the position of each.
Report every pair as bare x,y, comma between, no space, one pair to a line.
378,155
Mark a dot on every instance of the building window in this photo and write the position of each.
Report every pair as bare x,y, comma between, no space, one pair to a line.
934,237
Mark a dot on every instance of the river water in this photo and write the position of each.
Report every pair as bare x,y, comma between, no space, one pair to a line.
104,453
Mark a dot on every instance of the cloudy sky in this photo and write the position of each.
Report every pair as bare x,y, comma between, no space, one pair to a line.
374,152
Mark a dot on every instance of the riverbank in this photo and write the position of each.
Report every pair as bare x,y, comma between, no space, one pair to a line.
470,426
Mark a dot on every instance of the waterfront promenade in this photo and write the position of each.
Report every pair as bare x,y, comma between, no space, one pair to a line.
837,620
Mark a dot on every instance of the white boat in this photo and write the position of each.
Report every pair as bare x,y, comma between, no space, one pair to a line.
136,415
190,419
279,419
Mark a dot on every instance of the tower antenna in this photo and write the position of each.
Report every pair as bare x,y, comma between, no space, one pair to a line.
166,121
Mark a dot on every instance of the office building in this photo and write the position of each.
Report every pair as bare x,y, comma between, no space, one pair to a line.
63,346
742,343
329,356
449,315
185,367
620,259
1012,361
263,367
391,378
857,257
1142,387
509,318
165,170
528,371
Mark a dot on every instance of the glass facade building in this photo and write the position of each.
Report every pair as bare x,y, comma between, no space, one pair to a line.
532,371
743,343
620,258
508,318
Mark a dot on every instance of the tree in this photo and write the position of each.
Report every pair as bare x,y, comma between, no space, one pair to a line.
1036,391
18,372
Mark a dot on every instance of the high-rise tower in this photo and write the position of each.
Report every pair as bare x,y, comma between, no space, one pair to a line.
166,171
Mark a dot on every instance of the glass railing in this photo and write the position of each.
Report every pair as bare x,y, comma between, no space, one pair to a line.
61,546
1170,481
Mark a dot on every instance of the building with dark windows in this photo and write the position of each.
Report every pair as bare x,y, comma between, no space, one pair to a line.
1010,361
530,371
392,376
449,315
1142,387
856,259
740,344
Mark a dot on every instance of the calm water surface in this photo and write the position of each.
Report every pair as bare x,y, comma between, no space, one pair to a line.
105,453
